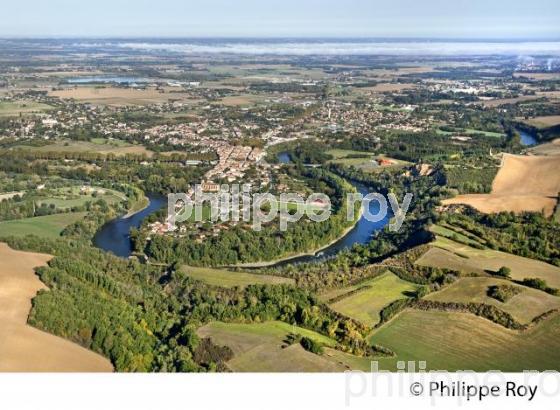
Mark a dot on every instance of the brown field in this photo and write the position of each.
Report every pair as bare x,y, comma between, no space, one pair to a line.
523,183
453,255
544,121
22,347
524,306
550,148
241,100
117,96
501,101
87,146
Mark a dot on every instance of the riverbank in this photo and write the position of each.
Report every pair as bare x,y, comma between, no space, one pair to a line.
264,264
138,206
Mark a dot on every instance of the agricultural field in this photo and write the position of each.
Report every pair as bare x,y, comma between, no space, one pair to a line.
365,300
16,108
25,348
48,227
446,253
229,279
462,341
524,307
453,234
67,198
470,131
118,96
549,148
98,145
544,121
261,347
538,192
365,161
243,100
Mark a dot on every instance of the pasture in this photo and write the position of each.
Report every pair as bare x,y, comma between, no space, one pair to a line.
66,198
48,227
365,161
462,341
16,108
446,253
260,347
25,348
365,300
524,306
229,279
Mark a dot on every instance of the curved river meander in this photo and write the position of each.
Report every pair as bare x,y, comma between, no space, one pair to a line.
115,235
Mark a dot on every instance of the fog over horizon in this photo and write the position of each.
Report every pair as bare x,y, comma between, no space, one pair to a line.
336,47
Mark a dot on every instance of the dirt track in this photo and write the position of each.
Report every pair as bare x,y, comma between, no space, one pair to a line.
22,347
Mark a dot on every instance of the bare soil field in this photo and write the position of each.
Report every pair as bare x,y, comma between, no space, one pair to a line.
550,148
117,96
544,121
22,347
501,101
523,183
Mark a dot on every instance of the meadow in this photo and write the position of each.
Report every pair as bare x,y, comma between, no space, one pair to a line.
446,253
16,108
229,279
48,227
365,300
462,341
524,306
365,161
261,347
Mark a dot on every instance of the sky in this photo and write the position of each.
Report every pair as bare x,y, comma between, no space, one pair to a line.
472,19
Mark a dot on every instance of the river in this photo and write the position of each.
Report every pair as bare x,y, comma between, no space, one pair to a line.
526,138
115,235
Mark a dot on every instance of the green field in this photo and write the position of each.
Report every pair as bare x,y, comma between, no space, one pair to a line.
453,255
66,198
470,131
261,348
229,279
49,226
452,234
15,108
461,341
524,306
365,305
365,162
